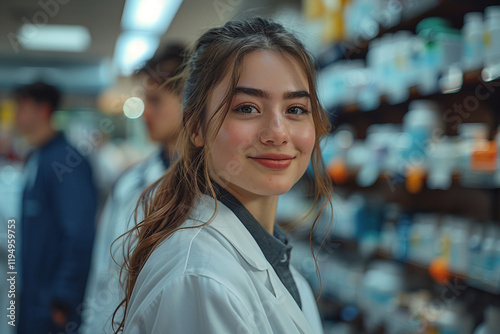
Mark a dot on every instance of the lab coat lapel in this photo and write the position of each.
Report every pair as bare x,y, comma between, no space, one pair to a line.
227,224
235,232
289,304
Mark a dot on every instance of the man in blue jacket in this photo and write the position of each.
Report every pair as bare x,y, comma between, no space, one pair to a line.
58,219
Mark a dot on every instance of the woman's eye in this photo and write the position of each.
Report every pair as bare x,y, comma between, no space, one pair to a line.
246,109
297,110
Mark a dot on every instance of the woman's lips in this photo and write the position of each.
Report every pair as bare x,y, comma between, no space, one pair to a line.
274,161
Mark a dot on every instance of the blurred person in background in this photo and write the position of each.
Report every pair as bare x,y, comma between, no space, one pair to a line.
57,221
163,118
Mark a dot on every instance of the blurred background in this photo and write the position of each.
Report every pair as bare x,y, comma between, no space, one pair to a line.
412,91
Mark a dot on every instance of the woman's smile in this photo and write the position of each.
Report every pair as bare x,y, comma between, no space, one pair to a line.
275,161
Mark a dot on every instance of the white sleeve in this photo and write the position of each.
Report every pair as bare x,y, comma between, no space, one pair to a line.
191,305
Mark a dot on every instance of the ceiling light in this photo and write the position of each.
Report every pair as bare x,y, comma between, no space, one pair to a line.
68,38
132,49
152,16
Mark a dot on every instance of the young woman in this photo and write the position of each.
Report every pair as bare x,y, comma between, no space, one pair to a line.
207,258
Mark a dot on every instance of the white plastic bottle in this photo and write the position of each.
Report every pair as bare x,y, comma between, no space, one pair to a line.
459,250
473,38
443,161
423,124
492,36
398,86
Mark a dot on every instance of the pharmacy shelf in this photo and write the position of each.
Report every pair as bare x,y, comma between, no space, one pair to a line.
453,10
334,303
477,283
394,181
473,84
467,200
470,81
488,287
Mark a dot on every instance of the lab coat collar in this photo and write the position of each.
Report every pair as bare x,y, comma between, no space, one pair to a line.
227,224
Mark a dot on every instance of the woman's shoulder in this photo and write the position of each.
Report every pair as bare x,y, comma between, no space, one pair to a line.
199,251
194,254
195,249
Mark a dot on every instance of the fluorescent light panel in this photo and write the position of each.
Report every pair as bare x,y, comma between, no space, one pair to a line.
152,16
132,49
68,38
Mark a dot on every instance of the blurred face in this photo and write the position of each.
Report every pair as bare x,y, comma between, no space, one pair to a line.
29,115
267,138
162,114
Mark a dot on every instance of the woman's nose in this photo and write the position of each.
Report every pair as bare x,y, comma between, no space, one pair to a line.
274,131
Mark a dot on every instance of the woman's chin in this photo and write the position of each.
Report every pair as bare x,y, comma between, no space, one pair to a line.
273,188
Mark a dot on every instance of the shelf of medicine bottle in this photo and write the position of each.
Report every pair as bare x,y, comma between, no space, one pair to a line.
391,182
453,10
471,81
479,203
476,283
331,305
352,244
462,278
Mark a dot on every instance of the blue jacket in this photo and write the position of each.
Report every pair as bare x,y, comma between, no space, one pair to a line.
57,231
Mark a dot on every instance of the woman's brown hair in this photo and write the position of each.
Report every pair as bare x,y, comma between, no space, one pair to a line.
168,202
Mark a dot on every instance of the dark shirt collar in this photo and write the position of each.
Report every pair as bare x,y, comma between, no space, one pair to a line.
275,248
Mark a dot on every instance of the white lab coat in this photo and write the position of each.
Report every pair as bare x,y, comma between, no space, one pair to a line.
103,292
215,279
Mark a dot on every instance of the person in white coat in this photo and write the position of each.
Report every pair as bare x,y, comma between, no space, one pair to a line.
163,118
208,257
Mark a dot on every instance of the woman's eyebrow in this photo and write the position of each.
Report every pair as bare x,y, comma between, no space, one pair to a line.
296,95
265,95
252,92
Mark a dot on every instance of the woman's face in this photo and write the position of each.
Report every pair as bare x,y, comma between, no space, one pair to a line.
265,143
